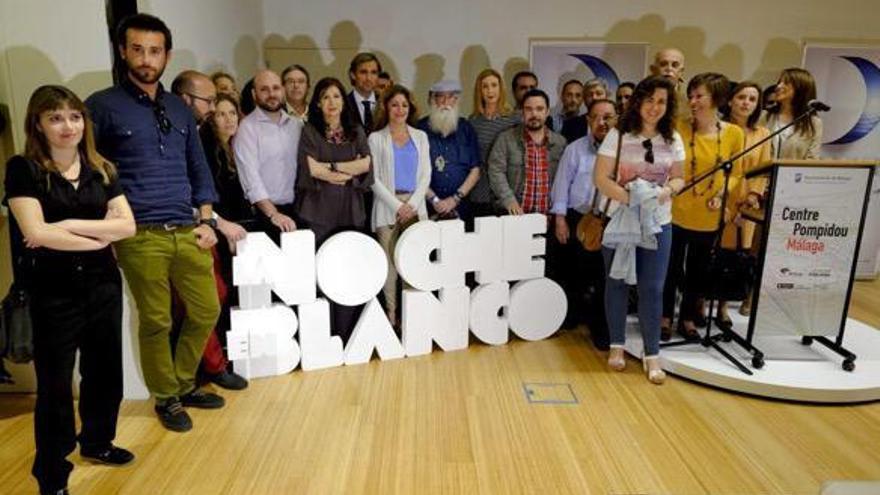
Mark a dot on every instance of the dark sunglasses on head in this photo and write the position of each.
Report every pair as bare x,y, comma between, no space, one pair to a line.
649,150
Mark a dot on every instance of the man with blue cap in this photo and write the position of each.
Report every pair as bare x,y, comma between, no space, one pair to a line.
455,154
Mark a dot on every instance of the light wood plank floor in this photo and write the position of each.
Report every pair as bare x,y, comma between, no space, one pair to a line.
461,423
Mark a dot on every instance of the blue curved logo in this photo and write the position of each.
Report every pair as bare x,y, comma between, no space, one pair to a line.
599,68
871,113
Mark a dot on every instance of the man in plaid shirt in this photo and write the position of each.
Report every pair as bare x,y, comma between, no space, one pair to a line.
523,160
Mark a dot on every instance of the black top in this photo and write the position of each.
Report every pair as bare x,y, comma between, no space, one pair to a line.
574,128
232,204
59,201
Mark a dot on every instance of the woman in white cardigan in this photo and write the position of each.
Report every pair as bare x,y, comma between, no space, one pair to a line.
402,168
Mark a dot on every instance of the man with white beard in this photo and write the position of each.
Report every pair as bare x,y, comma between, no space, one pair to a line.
455,154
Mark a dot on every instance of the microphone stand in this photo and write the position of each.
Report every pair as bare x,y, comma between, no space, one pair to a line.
727,334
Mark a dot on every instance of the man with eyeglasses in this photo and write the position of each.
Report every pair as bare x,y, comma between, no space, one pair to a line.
198,92
455,154
581,272
152,138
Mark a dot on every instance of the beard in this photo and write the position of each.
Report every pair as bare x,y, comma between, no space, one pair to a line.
270,105
534,124
145,74
443,121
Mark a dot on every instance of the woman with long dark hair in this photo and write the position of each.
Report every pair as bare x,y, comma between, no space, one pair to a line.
651,150
333,175
795,89
402,164
68,206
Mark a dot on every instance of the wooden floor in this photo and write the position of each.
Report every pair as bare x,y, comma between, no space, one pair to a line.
461,423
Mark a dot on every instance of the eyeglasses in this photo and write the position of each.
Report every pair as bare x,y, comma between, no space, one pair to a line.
161,118
209,101
649,150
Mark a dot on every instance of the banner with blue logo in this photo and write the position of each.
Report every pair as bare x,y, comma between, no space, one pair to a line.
848,80
557,61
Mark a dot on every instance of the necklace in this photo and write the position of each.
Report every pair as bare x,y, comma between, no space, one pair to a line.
692,144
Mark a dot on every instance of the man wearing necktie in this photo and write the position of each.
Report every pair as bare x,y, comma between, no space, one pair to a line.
363,73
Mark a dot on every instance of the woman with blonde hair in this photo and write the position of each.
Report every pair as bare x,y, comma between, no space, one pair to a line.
492,114
68,207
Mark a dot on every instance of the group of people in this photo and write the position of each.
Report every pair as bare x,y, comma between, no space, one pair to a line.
164,184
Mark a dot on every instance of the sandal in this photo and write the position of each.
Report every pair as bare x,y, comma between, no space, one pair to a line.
655,374
616,360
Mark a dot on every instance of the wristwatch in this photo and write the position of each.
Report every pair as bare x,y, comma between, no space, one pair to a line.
210,222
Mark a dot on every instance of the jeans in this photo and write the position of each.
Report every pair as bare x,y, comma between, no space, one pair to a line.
651,271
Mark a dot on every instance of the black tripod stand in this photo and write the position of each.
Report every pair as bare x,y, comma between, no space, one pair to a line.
710,340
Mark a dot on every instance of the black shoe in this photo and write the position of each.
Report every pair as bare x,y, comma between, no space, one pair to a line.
114,456
173,416
202,400
60,491
229,381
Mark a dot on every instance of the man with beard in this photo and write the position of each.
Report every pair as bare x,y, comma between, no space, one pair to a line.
266,148
523,159
198,92
455,154
523,81
581,272
151,137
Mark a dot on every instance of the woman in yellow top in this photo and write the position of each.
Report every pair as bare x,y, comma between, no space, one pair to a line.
695,213
744,110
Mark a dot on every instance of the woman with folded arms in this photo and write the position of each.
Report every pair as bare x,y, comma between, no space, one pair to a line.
334,173
69,207
651,150
402,164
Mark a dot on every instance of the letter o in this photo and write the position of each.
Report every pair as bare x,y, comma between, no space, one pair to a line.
351,268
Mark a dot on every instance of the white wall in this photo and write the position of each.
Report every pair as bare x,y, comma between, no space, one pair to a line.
211,35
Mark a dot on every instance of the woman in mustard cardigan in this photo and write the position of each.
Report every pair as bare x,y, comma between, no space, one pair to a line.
695,213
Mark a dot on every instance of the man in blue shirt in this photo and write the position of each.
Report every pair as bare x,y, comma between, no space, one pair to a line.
455,153
151,137
580,272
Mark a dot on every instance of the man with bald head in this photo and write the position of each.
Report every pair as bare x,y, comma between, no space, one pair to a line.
266,152
197,91
669,63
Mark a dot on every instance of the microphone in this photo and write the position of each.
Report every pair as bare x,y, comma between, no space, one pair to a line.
818,106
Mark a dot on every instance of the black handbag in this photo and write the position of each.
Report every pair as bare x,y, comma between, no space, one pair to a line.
16,325
731,271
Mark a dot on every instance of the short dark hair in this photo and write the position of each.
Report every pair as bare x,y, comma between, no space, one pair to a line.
519,75
384,75
362,58
631,120
598,101
142,22
293,67
570,82
751,120
536,93
716,84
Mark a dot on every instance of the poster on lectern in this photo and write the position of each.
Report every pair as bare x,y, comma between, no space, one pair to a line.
811,244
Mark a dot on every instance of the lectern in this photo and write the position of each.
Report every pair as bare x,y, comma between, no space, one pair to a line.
813,218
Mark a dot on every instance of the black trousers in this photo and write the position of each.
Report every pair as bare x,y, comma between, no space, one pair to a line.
83,311
581,274
688,271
